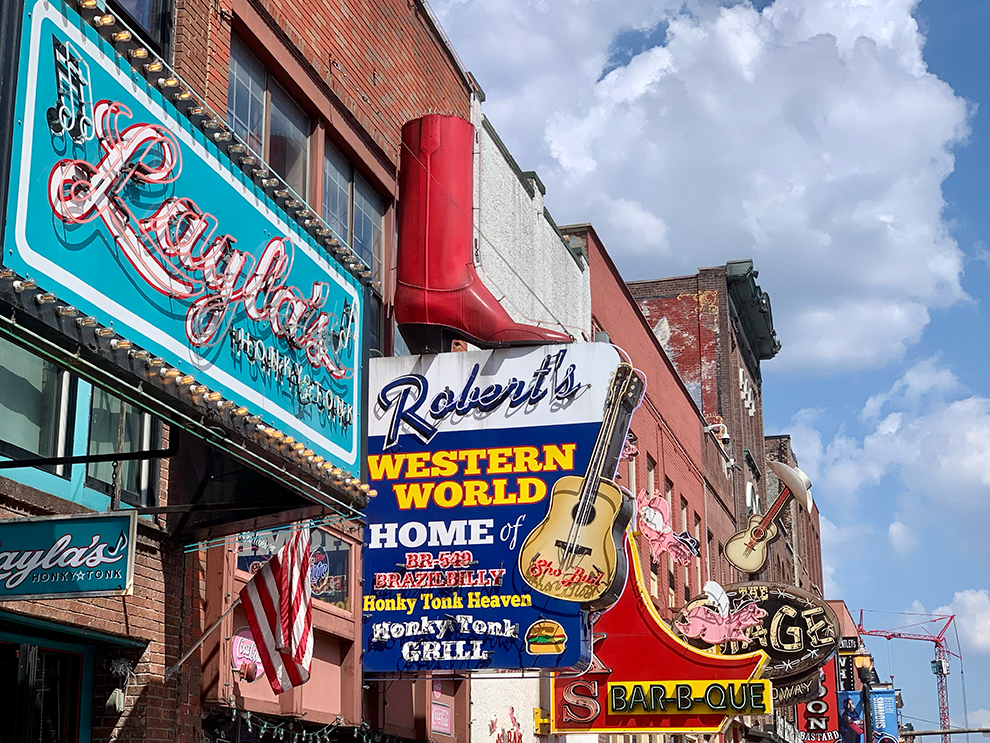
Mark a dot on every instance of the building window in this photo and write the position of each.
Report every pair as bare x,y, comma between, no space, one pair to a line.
265,116
697,560
668,495
36,406
329,569
153,18
337,179
687,569
369,222
356,213
374,310
651,476
752,500
399,347
354,210
116,426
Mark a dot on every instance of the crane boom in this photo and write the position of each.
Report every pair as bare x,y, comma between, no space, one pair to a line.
940,666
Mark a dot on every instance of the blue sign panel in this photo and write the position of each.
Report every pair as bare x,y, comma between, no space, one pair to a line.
122,208
884,704
67,556
467,452
851,721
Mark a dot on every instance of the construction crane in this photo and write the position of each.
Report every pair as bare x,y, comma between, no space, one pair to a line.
940,666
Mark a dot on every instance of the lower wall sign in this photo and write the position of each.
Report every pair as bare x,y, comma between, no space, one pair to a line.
818,718
67,556
621,691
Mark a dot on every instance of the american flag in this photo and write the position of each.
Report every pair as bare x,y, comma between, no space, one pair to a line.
279,608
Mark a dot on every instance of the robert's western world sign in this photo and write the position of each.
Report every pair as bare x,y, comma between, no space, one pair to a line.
123,209
465,450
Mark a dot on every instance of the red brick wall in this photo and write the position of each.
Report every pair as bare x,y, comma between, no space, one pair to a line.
704,340
375,64
156,709
803,528
668,427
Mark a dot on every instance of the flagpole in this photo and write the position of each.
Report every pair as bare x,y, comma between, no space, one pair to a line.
172,670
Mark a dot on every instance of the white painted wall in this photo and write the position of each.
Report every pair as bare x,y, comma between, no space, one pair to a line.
527,265
520,255
494,697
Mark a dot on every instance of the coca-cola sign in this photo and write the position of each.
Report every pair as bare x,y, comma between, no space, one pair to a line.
124,210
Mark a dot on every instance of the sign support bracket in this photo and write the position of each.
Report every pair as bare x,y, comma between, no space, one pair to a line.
172,450
171,671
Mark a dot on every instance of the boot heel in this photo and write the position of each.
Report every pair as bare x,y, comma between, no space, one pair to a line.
429,338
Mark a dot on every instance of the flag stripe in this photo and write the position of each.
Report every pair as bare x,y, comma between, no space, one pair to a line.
278,603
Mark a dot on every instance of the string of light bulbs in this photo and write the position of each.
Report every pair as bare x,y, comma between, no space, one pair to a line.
247,536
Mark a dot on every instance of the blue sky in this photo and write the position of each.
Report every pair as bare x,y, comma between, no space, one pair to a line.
843,145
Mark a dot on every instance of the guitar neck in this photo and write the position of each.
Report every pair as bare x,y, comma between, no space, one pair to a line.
771,514
608,446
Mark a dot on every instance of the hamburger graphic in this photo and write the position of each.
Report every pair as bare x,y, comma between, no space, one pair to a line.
545,637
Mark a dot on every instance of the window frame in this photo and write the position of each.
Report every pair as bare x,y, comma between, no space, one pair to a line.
353,178
333,156
238,43
162,44
150,440
62,435
687,568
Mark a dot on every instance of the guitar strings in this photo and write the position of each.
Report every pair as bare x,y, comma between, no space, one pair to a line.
584,503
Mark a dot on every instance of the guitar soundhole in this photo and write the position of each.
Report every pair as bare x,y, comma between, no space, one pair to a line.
589,515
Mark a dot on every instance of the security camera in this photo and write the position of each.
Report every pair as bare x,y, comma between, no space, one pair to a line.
725,438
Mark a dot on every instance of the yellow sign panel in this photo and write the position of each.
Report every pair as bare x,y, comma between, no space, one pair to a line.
742,697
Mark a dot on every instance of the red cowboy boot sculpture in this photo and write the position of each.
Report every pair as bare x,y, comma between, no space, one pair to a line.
439,296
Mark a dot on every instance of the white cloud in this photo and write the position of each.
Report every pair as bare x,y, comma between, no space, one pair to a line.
838,544
972,610
902,539
978,718
926,433
808,135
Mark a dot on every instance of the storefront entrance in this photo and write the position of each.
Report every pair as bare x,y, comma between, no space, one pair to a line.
45,691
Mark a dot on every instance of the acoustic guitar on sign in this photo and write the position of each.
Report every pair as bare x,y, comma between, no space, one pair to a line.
747,549
575,553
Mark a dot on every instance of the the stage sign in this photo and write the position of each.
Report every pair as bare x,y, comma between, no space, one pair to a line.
645,678
67,556
466,451
124,210
797,630
793,691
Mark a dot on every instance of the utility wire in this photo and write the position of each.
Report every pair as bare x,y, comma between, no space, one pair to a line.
962,679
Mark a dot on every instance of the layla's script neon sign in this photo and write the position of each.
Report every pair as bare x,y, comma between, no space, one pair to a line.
177,251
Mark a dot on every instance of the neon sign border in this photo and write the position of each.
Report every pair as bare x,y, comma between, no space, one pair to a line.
41,11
